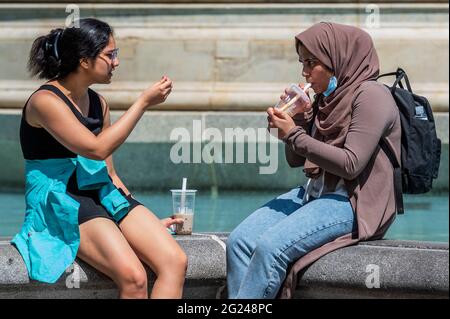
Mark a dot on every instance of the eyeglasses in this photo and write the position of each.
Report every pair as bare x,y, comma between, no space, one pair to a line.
112,55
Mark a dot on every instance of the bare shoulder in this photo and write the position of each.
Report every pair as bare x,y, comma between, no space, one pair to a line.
42,100
43,104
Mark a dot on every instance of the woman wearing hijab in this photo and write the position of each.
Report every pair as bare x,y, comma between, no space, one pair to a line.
76,204
349,195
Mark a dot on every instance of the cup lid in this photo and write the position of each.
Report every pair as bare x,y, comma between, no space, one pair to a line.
180,190
295,88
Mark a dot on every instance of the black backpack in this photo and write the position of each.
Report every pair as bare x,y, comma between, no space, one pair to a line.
421,148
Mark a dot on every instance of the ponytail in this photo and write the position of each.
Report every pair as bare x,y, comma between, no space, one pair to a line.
59,53
44,58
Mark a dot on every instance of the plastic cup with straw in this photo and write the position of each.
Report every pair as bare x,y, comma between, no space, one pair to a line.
290,106
183,207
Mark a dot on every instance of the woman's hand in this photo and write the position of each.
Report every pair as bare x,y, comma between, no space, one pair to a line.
304,117
167,222
157,93
281,121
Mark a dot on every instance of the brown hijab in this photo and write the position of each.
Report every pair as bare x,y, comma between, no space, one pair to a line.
349,52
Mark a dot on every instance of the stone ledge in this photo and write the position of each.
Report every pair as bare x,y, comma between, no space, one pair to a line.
406,268
204,279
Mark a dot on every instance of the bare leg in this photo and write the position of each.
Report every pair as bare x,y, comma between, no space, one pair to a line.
155,246
103,246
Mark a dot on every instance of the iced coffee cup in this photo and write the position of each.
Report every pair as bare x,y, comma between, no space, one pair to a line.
295,101
183,207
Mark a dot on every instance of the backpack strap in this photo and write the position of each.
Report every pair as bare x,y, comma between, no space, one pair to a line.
400,74
397,174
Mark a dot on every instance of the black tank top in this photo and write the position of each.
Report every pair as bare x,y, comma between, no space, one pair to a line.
37,143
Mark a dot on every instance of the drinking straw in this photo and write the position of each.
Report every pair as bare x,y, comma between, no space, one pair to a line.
183,195
307,86
284,107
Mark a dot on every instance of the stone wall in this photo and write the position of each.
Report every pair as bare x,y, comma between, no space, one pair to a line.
228,56
229,62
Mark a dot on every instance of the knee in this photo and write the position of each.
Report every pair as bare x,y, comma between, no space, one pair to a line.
176,263
134,280
181,262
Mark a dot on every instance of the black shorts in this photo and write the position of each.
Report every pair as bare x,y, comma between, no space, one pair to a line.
90,206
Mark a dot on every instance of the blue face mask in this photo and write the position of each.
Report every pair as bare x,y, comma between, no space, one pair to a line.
332,85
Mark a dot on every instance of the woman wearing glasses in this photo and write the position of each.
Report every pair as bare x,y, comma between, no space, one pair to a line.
349,195
76,205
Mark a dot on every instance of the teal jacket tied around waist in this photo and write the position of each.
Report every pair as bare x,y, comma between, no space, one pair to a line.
49,238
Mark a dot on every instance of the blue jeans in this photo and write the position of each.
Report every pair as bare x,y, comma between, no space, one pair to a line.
262,247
